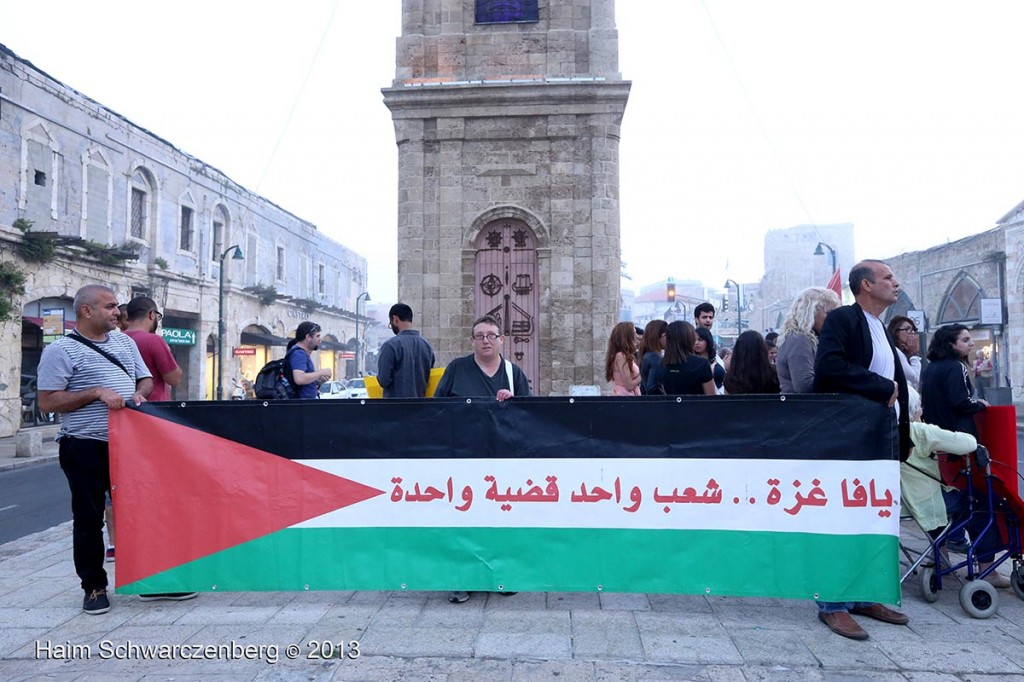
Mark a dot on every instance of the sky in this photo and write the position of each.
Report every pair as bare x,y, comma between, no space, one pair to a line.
902,118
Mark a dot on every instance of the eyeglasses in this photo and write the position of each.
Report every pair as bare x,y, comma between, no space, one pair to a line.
159,315
490,337
909,330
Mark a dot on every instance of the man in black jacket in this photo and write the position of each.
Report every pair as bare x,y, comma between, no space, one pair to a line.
856,355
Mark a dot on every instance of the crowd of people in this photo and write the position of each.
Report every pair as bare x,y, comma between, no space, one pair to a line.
823,347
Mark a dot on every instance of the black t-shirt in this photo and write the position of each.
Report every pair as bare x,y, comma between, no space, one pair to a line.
463,378
683,379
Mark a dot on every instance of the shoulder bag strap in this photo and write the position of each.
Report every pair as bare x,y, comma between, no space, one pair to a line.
81,339
508,373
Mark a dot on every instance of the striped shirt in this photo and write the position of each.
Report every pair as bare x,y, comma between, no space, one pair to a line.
68,365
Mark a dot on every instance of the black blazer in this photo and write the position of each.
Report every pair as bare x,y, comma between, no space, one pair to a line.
841,365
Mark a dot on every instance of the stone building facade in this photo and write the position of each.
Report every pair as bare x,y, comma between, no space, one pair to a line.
507,119
952,283
123,207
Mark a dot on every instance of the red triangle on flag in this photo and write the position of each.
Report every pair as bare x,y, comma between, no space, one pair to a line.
186,493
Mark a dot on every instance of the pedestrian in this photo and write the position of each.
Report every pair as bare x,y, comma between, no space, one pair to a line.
94,369
704,315
305,377
751,371
704,346
651,350
484,373
855,355
404,362
905,336
143,319
681,372
620,365
798,340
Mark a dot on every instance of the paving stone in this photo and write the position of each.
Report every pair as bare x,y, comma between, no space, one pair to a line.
24,617
408,641
740,617
563,671
782,674
13,639
679,624
839,653
768,648
624,601
523,601
222,615
574,600
917,676
965,657
606,635
539,622
689,603
673,648
524,645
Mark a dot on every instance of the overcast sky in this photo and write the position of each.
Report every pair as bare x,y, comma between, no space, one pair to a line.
903,118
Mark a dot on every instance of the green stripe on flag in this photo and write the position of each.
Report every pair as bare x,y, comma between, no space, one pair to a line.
736,563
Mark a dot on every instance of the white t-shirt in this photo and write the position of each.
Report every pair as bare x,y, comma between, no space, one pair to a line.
883,362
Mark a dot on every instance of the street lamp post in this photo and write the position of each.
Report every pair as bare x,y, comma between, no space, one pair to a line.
831,253
359,346
236,252
739,306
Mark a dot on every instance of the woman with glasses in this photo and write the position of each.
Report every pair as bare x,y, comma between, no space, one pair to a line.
904,335
484,374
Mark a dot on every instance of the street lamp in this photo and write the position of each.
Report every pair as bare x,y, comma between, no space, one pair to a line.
739,306
236,252
831,253
365,295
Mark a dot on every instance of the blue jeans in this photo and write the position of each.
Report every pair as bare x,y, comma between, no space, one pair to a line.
837,606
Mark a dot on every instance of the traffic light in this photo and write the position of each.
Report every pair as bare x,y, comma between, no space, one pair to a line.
670,291
725,304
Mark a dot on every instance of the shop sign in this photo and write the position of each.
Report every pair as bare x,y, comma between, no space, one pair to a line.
991,311
244,350
178,337
918,317
347,355
53,324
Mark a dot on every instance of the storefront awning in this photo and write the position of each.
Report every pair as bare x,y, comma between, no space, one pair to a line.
255,339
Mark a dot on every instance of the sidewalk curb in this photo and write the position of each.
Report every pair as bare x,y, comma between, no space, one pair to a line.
23,462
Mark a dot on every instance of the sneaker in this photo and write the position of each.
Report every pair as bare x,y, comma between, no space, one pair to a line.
96,602
168,596
458,597
110,553
958,546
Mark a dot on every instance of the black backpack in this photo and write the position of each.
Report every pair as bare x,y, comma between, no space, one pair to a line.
274,382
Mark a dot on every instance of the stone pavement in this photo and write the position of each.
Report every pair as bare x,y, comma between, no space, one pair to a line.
529,636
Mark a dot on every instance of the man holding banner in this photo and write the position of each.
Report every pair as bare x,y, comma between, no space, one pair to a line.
856,355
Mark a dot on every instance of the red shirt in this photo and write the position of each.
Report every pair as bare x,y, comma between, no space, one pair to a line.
158,358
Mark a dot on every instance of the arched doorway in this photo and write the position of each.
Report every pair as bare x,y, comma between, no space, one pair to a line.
506,287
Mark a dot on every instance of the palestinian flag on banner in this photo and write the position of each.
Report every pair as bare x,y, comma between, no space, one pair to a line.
773,496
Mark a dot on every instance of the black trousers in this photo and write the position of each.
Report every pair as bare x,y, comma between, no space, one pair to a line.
86,464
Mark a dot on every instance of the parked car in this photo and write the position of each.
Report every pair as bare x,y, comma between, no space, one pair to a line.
355,388
332,390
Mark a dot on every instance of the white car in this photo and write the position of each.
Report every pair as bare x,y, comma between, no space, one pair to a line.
332,390
355,388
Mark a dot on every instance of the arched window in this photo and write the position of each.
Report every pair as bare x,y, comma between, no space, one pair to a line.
218,229
962,302
142,202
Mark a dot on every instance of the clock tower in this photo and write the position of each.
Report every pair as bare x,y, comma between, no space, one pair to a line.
507,117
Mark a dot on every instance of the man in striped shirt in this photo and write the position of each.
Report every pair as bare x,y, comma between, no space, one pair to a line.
83,375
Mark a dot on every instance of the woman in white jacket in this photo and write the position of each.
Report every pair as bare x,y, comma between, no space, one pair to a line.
904,335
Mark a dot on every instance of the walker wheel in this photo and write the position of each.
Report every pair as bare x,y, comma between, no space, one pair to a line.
929,584
979,599
1017,580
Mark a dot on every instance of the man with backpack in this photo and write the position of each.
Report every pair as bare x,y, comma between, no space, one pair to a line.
305,377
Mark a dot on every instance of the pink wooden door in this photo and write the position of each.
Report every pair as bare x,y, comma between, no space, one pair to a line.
506,287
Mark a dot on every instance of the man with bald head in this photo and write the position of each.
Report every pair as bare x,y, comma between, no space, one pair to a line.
94,369
856,355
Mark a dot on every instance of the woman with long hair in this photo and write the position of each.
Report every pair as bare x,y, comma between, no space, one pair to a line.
704,346
798,342
947,396
681,371
751,371
904,335
651,349
620,365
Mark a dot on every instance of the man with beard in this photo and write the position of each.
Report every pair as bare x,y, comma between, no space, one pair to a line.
305,377
143,318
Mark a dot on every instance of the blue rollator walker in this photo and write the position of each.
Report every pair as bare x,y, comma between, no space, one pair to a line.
996,514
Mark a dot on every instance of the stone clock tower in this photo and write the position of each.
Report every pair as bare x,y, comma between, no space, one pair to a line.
507,117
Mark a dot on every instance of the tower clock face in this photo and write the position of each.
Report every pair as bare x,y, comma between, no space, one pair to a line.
506,11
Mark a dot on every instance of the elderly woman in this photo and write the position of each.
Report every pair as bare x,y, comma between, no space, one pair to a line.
904,334
799,338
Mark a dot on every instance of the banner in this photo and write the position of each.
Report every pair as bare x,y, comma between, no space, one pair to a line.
773,496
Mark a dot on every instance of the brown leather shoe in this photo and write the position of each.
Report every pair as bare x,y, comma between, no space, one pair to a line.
843,624
879,612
